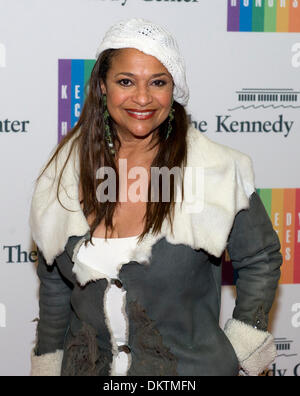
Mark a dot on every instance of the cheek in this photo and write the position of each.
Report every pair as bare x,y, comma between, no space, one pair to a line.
165,103
164,98
116,97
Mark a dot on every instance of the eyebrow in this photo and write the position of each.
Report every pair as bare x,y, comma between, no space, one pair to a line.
132,75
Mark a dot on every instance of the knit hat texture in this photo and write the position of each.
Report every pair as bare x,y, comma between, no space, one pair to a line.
153,40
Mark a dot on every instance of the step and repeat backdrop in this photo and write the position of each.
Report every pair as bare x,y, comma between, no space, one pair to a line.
243,70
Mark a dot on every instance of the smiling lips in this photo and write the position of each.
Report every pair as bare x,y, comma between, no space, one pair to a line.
140,114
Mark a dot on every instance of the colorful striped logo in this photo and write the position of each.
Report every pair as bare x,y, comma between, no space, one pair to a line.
263,16
73,76
283,207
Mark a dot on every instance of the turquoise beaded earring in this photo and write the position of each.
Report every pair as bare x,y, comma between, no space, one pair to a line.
106,126
171,118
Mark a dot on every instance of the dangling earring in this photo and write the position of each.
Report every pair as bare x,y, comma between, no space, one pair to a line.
106,126
171,118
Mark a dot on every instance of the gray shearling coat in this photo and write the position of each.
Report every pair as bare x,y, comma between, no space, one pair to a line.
173,281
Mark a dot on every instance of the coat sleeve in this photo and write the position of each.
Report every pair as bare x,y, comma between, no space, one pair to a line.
54,314
254,249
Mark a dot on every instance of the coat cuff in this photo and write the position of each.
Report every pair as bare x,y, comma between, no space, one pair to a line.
48,364
255,349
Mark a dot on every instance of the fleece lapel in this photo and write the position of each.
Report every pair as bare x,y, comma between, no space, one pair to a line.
227,181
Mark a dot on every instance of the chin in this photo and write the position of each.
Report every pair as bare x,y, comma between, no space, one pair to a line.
142,132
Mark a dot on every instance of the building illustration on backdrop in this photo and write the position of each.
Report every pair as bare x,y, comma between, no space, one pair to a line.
267,97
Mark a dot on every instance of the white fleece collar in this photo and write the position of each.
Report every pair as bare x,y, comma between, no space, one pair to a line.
227,185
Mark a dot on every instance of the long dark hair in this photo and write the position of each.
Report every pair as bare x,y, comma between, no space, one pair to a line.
94,153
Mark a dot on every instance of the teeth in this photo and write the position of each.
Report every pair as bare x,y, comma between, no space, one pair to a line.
140,114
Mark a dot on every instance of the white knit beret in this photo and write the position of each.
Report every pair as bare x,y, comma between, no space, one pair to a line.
153,40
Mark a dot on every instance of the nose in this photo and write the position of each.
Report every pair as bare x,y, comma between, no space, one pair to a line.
142,96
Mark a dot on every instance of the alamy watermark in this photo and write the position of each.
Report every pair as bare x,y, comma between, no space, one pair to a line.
2,55
193,185
2,315
296,55
296,316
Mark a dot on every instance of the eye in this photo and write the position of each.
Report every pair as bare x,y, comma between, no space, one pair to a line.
125,82
159,83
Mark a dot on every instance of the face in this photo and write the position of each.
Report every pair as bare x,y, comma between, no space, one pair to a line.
139,92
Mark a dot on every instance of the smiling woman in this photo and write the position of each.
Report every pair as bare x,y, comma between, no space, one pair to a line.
134,111
138,88
133,287
138,106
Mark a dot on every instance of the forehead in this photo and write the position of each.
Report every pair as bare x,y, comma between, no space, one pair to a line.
131,60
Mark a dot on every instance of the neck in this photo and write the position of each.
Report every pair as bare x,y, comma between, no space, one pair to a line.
137,149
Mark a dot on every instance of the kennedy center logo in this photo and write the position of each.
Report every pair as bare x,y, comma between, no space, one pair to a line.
283,208
267,97
73,77
263,16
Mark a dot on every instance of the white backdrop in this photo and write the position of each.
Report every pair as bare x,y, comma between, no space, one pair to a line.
221,65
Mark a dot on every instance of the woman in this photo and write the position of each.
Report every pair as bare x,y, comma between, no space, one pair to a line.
132,286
